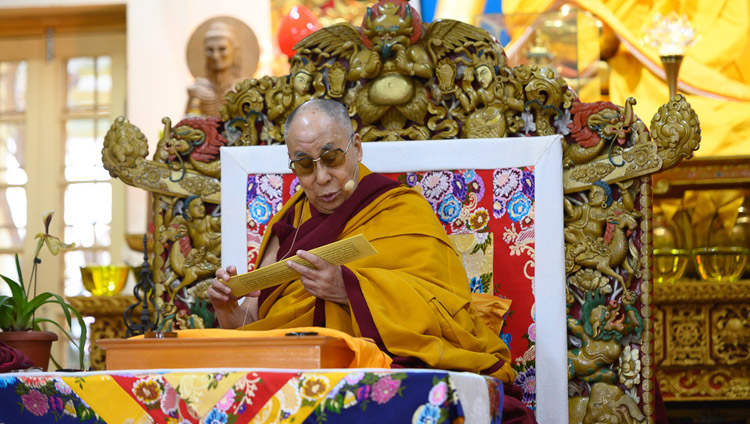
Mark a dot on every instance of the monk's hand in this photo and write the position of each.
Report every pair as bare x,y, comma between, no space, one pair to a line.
325,281
220,294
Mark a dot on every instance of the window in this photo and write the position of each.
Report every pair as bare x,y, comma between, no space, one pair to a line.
58,97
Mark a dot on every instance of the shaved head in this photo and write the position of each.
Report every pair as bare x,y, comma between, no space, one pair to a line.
331,108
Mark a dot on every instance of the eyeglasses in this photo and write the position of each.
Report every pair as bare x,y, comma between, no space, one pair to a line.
330,159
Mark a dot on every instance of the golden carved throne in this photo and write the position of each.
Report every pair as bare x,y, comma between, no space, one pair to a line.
405,80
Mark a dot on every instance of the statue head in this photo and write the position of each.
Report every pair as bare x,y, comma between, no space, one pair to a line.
601,193
219,46
301,82
193,208
484,67
302,72
484,75
388,23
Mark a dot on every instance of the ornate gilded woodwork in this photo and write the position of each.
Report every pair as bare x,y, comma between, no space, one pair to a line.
710,383
706,331
687,328
404,80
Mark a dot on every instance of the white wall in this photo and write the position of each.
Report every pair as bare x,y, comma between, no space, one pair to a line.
158,75
15,4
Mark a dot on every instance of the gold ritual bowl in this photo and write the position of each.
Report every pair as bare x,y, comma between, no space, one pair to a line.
720,264
670,264
104,280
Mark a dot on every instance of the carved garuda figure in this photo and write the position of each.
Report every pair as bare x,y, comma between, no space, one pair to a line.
404,80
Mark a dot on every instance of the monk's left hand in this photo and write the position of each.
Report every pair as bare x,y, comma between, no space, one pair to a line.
324,281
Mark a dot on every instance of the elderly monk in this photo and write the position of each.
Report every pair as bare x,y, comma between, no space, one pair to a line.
412,298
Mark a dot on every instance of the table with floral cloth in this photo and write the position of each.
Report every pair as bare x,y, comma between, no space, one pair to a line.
237,396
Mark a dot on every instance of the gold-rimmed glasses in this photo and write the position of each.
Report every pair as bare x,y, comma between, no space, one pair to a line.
330,159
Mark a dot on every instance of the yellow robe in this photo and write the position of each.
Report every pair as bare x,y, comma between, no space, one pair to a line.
416,289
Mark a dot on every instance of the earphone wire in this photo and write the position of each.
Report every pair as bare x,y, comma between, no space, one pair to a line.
294,239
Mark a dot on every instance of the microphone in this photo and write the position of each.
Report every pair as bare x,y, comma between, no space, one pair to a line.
349,186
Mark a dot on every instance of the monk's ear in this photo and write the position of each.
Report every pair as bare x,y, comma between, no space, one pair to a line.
357,144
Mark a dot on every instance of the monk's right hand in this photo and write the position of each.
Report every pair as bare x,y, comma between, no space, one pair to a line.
219,293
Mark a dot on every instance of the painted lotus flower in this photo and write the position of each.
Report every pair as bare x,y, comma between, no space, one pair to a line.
459,186
260,210
438,393
35,402
477,186
314,387
506,337
169,401
532,332
271,185
363,393
518,207
62,388
426,414
506,182
294,186
630,367
449,209
475,285
411,179
226,401
216,417
498,208
252,188
385,389
354,377
36,382
527,184
479,219
436,184
527,382
147,391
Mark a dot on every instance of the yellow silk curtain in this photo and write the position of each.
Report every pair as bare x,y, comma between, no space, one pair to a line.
715,74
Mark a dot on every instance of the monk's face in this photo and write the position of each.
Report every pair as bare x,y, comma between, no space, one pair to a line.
311,134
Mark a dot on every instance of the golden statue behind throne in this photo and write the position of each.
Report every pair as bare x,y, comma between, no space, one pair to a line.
221,52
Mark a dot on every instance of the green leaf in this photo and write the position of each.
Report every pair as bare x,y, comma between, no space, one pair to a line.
337,404
20,275
16,291
37,302
486,280
369,379
78,344
21,389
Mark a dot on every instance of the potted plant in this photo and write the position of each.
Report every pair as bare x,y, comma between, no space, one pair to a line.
18,311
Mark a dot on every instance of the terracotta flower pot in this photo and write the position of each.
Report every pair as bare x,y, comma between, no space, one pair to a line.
34,344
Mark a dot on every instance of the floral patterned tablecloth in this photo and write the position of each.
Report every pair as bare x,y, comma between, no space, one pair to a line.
250,396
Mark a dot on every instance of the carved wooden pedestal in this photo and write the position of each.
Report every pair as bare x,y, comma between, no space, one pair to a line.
702,340
108,322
